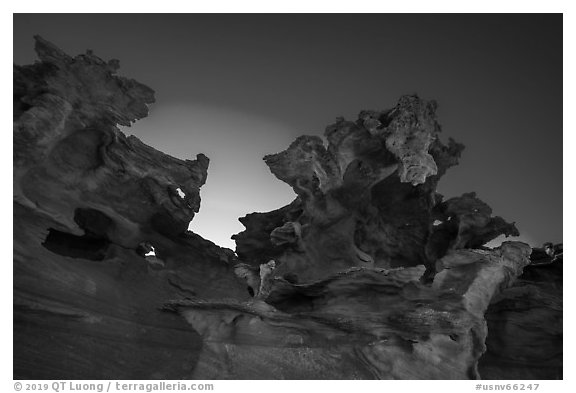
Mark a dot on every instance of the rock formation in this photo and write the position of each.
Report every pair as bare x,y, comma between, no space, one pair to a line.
86,197
368,273
368,199
525,323
359,323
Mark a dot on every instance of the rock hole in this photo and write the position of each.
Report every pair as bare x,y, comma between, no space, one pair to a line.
151,253
93,245
94,222
146,249
68,245
181,193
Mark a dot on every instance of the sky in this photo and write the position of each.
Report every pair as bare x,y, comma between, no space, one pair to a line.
238,87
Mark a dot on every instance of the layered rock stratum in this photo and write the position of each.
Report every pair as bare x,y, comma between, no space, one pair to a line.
86,197
368,273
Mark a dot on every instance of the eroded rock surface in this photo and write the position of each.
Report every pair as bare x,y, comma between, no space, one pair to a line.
85,197
368,198
525,324
359,323
368,273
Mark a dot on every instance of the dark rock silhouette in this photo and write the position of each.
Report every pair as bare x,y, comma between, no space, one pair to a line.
368,199
85,197
369,273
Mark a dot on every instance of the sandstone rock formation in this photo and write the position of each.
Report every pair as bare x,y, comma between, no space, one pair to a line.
359,323
525,324
368,273
85,197
368,199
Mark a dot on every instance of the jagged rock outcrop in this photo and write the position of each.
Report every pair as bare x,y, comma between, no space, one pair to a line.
464,222
85,197
66,112
368,199
368,273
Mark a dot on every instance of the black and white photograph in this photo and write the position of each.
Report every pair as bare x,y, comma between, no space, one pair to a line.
287,196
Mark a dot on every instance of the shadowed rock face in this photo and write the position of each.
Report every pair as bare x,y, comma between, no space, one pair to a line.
359,323
67,142
375,276
85,196
368,198
525,326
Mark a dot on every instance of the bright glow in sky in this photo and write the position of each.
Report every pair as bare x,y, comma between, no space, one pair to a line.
238,87
235,142
239,181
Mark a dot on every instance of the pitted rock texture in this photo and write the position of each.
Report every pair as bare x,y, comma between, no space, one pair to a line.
85,196
368,198
368,273
67,141
376,323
